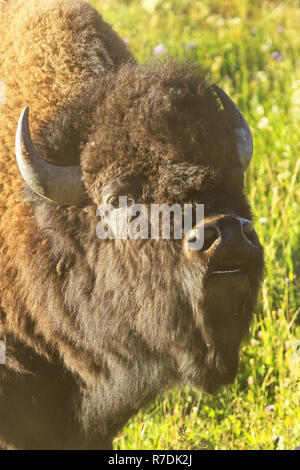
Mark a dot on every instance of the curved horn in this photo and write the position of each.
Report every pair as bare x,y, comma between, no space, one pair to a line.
62,185
242,131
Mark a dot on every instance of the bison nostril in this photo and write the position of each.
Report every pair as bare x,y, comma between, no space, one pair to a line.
210,234
248,230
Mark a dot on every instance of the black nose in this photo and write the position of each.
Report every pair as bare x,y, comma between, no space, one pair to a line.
224,238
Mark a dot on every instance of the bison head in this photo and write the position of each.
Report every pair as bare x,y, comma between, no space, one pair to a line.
159,134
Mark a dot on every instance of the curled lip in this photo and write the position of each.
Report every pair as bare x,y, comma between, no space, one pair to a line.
228,275
228,271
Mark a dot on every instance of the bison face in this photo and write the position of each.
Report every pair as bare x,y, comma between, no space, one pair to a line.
173,313
197,303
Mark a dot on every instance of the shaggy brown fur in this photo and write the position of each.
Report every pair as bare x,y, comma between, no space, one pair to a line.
94,329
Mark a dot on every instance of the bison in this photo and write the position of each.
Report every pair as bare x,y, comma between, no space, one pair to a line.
95,328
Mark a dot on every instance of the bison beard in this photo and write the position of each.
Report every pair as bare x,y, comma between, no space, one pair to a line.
94,329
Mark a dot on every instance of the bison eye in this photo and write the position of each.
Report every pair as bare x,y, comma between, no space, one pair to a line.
119,202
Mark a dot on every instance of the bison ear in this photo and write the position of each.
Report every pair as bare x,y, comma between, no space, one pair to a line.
244,142
62,185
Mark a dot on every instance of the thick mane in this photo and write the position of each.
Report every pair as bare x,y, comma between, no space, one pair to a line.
159,111
51,52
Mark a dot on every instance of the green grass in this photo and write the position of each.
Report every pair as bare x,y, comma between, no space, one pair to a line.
234,40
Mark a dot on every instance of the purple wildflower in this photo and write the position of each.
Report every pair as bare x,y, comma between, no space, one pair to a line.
191,45
276,55
253,31
280,29
270,407
159,50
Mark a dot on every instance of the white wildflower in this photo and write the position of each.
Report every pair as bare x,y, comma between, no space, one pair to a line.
234,21
150,5
263,123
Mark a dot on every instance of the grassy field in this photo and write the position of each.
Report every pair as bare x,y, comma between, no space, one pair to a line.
252,49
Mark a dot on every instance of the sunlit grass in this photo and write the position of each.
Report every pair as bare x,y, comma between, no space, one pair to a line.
252,49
